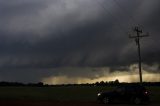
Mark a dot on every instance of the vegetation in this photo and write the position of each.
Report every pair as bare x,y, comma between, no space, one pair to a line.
101,83
62,93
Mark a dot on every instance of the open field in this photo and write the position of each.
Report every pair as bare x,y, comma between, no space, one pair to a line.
61,94
68,103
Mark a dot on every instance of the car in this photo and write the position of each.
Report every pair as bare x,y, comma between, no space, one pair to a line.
136,94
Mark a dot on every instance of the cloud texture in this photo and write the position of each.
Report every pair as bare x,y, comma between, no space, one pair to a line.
41,37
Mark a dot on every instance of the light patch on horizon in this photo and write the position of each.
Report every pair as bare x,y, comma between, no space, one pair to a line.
92,75
121,76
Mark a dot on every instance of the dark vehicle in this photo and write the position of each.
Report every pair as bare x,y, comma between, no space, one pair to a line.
125,94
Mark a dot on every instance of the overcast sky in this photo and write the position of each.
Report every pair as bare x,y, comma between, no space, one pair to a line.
58,41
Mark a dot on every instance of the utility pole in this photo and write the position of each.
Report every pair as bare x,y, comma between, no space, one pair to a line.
139,35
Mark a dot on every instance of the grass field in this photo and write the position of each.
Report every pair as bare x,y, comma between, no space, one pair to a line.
71,93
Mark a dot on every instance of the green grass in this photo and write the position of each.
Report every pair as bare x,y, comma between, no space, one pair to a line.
78,93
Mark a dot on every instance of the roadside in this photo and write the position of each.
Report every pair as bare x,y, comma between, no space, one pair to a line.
58,103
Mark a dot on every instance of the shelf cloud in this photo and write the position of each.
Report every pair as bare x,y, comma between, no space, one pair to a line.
40,39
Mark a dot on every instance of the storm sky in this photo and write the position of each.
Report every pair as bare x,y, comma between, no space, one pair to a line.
77,41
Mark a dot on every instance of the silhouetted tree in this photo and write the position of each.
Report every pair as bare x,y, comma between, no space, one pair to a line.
116,81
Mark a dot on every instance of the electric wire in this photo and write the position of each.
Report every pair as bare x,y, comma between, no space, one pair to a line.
107,12
131,18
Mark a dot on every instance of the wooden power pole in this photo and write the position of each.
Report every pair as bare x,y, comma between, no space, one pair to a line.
139,35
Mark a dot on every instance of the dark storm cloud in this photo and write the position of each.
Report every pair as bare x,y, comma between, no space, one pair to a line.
41,35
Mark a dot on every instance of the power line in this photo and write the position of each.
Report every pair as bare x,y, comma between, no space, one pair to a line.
107,12
137,40
131,18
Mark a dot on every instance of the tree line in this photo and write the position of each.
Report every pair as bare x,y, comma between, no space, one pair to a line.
101,83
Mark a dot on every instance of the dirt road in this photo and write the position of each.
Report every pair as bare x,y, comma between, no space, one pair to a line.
50,103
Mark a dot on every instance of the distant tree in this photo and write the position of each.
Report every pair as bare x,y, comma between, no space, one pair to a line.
97,83
111,82
40,84
116,81
102,83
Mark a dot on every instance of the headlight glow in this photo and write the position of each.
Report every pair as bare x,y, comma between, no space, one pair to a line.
99,94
